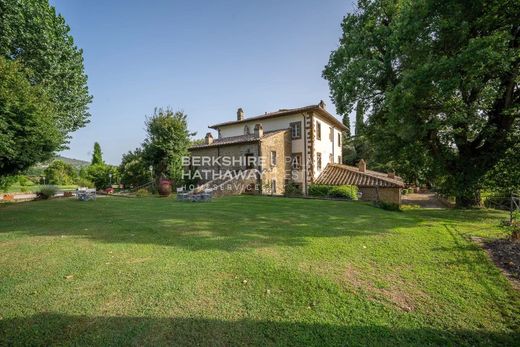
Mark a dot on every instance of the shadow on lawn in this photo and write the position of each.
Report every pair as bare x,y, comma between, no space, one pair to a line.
58,329
228,224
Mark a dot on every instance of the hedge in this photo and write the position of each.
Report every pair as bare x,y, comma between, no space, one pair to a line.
345,191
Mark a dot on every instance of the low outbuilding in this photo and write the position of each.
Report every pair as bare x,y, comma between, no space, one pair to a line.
373,185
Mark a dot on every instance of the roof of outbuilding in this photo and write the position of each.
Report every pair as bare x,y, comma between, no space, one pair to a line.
337,174
285,112
232,140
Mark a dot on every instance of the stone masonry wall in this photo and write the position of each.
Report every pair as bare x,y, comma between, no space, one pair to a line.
281,143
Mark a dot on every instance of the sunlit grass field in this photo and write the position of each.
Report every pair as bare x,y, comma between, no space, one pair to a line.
249,270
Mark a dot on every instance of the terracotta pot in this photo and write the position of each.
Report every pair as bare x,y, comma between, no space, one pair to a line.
8,197
165,188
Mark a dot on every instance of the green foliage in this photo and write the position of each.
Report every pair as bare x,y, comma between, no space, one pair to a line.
24,181
319,189
344,191
28,126
134,169
33,34
99,174
504,178
143,192
43,87
438,84
83,182
292,189
47,191
97,155
60,173
168,139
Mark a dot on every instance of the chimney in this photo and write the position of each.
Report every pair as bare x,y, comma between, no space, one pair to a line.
259,130
362,166
240,114
391,174
322,104
208,140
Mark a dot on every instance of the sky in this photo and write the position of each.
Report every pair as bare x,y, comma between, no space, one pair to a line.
205,58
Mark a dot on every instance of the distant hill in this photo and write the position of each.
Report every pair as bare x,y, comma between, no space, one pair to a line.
37,170
74,162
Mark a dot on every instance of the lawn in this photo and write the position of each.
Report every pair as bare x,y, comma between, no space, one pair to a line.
249,270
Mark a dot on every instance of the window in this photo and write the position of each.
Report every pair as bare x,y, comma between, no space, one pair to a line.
339,159
331,159
339,139
296,130
246,130
318,161
273,158
296,161
318,130
331,135
273,187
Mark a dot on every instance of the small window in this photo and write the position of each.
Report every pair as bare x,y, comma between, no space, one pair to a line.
331,159
339,139
296,161
273,158
246,130
339,159
273,187
296,130
318,161
318,130
331,135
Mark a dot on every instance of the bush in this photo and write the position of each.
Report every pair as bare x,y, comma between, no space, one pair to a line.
319,189
292,189
83,182
389,206
24,181
345,191
47,192
141,193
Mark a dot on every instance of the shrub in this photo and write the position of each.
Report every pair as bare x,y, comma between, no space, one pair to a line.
47,191
292,189
143,192
319,189
83,182
24,181
389,206
347,192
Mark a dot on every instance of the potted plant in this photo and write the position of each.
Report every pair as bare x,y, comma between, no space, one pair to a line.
165,187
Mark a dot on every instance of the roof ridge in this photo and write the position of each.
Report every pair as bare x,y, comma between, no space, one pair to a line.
282,112
372,174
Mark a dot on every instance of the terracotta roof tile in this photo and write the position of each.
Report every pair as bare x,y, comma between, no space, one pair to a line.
337,174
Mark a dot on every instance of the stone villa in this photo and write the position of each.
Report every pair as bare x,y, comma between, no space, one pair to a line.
300,145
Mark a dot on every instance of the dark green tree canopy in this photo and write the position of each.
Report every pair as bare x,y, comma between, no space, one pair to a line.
97,155
439,82
43,84
28,133
60,173
168,139
32,33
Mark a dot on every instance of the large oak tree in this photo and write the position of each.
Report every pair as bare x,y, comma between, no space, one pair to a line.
440,83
